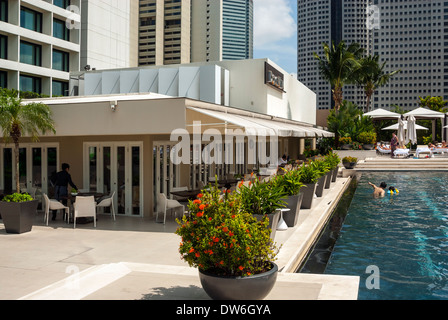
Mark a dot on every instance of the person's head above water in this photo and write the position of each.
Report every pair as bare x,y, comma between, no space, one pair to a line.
383,185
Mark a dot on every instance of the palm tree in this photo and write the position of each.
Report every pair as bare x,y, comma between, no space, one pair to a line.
18,119
337,66
371,76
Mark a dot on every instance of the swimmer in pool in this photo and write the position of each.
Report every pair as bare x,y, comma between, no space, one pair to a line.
379,191
393,190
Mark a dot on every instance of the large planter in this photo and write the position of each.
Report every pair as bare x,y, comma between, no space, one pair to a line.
335,174
293,203
320,185
346,147
18,217
273,222
308,191
254,287
329,175
349,165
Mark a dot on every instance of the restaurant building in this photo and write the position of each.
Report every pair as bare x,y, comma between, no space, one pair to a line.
133,143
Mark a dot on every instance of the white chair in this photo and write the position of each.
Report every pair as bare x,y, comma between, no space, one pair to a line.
108,202
54,204
84,207
164,204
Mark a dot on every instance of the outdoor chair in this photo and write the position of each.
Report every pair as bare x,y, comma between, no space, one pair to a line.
164,204
53,204
84,207
107,202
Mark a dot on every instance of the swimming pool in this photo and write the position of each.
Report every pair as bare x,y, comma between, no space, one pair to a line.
398,244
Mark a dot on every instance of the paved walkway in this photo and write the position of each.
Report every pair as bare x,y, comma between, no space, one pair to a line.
138,259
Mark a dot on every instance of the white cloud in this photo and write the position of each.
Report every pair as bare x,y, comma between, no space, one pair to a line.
273,22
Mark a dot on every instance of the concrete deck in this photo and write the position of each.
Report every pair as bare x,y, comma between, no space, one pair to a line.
138,259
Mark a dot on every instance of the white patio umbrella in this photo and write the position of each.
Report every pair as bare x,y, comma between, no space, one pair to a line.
425,113
400,132
395,127
411,133
382,114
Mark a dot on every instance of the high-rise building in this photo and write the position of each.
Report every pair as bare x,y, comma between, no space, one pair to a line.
412,36
109,36
325,21
184,31
39,45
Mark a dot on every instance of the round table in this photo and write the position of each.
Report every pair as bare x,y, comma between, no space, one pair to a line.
281,223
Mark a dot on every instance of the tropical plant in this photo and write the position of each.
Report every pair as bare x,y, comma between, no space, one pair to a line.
18,119
222,238
308,173
17,197
261,198
289,182
349,159
332,159
371,75
345,140
342,123
367,137
321,166
337,66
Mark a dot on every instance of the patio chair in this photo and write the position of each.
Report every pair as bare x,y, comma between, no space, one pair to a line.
164,204
107,202
84,207
53,204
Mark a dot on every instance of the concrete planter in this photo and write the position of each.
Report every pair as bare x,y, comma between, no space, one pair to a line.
334,174
329,175
254,287
18,217
320,185
308,191
293,203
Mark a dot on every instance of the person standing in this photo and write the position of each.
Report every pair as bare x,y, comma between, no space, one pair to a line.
393,144
63,179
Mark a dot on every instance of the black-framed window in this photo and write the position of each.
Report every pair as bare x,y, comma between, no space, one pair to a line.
30,53
3,79
61,60
30,19
61,3
4,10
3,47
32,84
60,31
60,88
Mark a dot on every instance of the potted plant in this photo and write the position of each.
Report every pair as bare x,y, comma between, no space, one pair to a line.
16,120
18,212
322,168
349,162
291,185
333,161
231,248
368,139
308,176
345,143
262,199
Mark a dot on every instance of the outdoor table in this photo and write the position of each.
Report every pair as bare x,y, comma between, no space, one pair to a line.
189,194
71,198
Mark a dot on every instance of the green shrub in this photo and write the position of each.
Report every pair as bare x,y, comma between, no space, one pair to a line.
367,137
17,197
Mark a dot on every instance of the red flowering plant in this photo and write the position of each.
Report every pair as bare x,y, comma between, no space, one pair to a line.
220,238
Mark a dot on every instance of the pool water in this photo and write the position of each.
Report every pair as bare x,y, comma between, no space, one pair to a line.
398,244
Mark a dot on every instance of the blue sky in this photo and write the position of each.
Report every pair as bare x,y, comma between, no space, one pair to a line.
275,32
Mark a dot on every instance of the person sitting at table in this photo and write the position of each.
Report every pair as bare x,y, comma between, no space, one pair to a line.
63,179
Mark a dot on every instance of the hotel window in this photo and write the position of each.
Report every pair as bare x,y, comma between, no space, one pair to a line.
3,79
4,10
60,88
30,19
60,31
30,53
60,60
32,84
62,3
3,47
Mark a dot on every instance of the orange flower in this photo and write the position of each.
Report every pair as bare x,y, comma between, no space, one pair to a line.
241,268
191,250
231,233
225,229
202,207
221,262
197,255
197,201
200,214
200,195
215,239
